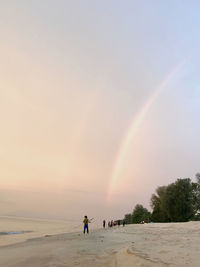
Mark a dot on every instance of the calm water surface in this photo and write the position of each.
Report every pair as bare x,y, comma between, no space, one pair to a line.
14,230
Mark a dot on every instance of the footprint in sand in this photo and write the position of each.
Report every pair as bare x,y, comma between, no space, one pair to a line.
163,251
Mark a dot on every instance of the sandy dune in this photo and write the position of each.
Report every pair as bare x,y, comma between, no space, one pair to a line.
134,245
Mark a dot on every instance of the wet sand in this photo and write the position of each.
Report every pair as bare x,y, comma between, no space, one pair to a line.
167,244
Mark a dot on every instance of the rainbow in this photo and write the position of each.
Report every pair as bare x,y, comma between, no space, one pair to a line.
134,126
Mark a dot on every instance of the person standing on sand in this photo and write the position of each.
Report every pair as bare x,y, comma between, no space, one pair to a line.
86,221
104,224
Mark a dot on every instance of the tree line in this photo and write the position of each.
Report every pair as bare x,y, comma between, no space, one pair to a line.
176,202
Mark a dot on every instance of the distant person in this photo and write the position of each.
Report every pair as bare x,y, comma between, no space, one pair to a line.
86,221
109,224
104,224
118,222
124,223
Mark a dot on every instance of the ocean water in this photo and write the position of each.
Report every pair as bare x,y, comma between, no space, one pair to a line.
14,229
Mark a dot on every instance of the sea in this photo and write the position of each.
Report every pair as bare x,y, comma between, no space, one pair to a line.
17,229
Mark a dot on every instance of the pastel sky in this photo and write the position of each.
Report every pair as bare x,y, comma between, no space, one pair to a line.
74,78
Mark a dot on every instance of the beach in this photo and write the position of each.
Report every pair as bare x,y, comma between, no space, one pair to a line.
154,244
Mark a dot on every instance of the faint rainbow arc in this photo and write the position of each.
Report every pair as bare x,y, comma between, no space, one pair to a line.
135,124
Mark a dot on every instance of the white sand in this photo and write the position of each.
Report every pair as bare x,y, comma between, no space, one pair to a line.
134,245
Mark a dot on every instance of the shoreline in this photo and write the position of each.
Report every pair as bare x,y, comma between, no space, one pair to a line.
29,228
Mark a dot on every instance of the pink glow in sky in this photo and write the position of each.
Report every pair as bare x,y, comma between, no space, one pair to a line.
73,77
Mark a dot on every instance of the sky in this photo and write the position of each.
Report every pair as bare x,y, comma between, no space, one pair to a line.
99,104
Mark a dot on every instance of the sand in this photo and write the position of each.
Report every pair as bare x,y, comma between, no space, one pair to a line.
167,244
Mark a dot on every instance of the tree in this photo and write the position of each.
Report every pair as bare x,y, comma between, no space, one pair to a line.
196,197
127,218
178,200
198,177
159,214
140,214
